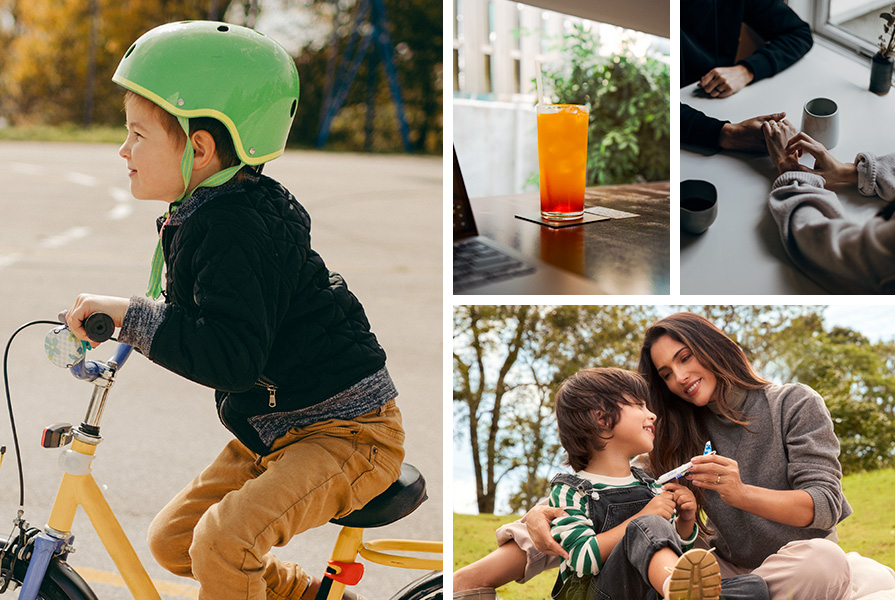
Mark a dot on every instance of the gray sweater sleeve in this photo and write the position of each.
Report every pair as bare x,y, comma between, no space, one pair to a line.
813,454
141,321
842,255
876,175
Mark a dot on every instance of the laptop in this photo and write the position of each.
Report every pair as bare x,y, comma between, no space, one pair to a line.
484,266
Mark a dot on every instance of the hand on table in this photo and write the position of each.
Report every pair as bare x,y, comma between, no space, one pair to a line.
747,135
722,82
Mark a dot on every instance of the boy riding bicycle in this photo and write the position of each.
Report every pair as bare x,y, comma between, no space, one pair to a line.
250,310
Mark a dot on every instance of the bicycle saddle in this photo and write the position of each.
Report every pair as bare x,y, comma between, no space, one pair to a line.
399,500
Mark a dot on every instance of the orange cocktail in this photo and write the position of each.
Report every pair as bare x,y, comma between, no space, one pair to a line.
562,159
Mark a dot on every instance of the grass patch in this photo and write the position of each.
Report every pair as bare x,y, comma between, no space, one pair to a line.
870,531
64,133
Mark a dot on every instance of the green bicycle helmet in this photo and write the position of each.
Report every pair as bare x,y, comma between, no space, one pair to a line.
209,69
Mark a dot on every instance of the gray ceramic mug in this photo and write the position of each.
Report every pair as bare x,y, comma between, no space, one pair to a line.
820,120
699,205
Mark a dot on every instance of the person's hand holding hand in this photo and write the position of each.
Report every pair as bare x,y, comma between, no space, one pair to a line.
747,135
722,82
826,165
777,135
537,521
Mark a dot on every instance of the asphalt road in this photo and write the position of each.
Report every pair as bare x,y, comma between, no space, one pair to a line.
68,225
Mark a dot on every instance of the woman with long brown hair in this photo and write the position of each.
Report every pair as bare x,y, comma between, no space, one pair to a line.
772,493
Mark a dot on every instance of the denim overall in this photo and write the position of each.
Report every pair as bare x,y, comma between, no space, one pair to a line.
624,574
607,508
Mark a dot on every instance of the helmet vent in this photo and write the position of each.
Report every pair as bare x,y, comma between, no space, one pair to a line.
292,110
129,50
223,28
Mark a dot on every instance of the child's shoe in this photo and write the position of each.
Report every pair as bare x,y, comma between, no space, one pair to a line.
696,576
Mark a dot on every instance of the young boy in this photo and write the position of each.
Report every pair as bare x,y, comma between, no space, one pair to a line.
625,536
250,310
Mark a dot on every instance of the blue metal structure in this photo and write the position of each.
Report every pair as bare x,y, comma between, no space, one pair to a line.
369,32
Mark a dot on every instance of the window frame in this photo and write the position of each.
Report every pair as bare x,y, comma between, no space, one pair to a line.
822,27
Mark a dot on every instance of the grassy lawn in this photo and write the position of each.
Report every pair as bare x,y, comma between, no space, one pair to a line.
869,531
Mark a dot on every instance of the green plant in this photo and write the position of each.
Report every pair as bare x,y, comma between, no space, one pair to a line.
887,46
628,98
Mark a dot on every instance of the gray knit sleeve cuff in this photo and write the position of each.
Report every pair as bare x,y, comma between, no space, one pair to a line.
800,176
825,515
141,321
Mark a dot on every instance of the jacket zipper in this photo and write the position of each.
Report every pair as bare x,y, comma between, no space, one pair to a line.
271,389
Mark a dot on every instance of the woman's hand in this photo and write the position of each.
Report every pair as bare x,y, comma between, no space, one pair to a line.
537,521
88,304
825,164
722,82
720,474
777,135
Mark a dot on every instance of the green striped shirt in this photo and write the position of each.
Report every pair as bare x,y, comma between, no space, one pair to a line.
576,533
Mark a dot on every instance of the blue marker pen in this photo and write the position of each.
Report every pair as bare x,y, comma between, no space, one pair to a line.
683,469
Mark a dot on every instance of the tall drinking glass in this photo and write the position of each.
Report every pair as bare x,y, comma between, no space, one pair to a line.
562,159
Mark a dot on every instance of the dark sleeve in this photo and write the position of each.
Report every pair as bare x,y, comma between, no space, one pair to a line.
240,293
699,129
787,37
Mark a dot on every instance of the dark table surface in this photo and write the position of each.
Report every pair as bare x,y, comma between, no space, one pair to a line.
624,256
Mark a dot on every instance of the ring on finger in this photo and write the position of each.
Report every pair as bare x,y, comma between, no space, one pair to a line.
718,480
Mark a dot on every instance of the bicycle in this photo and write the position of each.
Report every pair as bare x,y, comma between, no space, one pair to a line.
34,560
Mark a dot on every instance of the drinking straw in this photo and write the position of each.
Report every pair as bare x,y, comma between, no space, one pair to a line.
540,82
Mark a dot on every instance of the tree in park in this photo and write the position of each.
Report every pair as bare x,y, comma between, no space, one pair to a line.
507,363
59,64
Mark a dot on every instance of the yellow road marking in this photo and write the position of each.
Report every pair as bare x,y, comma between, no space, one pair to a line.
167,588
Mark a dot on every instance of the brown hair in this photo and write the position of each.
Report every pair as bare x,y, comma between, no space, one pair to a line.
588,405
681,424
223,142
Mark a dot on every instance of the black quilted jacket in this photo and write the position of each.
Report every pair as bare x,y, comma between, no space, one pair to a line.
251,307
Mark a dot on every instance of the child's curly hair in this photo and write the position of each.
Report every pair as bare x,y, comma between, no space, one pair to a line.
588,405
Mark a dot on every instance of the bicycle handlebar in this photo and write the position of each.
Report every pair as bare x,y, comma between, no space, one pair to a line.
99,328
89,370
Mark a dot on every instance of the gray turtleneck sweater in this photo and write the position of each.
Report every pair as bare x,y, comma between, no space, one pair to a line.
844,256
788,444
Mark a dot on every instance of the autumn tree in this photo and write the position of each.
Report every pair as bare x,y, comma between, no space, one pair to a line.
59,43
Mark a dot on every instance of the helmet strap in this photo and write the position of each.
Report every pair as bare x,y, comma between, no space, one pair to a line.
186,170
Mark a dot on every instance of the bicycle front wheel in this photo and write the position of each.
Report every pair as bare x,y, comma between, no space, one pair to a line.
61,582
428,587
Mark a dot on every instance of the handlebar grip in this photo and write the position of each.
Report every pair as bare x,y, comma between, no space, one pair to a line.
99,327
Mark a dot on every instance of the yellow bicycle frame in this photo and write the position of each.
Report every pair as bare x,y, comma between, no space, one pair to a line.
350,544
78,488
